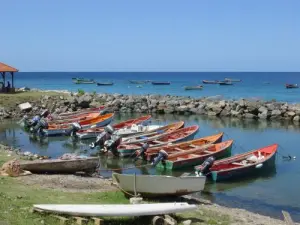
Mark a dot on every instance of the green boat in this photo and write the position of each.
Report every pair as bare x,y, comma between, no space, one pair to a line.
186,158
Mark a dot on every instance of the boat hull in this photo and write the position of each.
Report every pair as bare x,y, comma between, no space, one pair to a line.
156,186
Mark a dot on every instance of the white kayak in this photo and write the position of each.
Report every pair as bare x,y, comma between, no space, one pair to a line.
116,210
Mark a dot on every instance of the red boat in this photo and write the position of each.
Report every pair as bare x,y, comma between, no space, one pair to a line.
241,165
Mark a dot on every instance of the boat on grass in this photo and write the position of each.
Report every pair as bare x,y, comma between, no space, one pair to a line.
129,146
62,166
115,210
210,81
158,185
199,87
192,157
241,165
184,146
105,83
93,132
291,86
232,80
161,83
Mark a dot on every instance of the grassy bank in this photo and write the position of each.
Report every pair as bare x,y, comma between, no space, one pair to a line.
17,198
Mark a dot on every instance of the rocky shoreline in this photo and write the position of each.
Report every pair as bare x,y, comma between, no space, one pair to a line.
209,106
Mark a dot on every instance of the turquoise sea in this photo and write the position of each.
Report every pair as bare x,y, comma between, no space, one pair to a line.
267,194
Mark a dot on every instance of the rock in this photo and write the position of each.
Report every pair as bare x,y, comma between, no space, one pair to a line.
187,222
61,97
169,110
242,103
276,113
234,112
84,101
249,116
211,113
262,109
296,118
24,89
225,112
25,106
291,114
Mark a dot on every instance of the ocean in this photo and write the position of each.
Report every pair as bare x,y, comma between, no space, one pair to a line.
267,194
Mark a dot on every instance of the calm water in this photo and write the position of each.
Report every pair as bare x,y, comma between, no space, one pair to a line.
253,85
268,194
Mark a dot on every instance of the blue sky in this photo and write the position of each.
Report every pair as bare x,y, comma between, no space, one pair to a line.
156,35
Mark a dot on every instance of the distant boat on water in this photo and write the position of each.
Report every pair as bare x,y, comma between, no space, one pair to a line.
138,81
189,88
84,81
225,83
161,83
210,81
105,83
232,80
291,86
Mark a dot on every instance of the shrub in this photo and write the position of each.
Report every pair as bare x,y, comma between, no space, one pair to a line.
81,92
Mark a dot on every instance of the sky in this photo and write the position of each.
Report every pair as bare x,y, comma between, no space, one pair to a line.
156,35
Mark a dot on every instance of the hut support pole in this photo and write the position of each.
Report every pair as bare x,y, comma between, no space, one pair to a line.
12,79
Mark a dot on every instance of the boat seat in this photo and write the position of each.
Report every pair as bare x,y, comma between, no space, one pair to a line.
181,158
238,164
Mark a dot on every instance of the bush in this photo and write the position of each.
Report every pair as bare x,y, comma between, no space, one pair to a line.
81,92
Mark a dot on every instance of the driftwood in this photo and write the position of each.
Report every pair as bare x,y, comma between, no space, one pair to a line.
287,218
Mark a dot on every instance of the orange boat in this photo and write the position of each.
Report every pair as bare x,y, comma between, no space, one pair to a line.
78,118
79,112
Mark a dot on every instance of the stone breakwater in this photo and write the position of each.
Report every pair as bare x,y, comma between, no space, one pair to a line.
209,106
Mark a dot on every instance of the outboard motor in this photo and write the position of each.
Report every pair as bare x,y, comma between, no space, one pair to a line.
203,169
44,113
104,111
162,156
39,127
34,121
74,128
104,136
142,152
112,144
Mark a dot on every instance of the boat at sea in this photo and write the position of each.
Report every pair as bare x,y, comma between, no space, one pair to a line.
138,81
192,157
93,132
199,87
210,81
232,80
161,83
130,146
115,210
105,83
239,166
225,83
159,185
83,81
291,86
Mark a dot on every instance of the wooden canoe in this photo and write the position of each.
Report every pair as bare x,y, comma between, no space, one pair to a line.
129,147
60,129
61,166
156,186
75,118
241,165
79,112
93,132
185,158
184,146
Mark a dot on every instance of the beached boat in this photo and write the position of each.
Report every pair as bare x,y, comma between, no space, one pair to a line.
241,165
184,146
225,83
66,128
291,86
210,81
129,146
93,132
232,80
79,164
160,83
116,210
188,88
192,157
105,83
156,186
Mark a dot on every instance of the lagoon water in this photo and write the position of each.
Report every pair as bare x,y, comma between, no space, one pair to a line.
268,194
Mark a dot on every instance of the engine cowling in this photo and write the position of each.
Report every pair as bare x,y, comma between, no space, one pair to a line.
73,129
112,144
203,169
39,127
162,155
142,152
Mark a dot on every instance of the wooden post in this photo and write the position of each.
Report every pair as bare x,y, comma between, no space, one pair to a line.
12,79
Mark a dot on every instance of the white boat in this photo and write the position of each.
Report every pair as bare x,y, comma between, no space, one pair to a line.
154,185
116,210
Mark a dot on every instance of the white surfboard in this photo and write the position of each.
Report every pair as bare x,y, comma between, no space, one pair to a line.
116,210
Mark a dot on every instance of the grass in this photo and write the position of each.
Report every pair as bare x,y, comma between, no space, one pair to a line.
16,200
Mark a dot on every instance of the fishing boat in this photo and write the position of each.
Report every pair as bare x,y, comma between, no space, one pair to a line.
83,81
291,86
76,118
116,210
137,81
188,88
210,81
184,158
232,80
66,128
160,83
184,146
129,146
93,132
82,111
241,165
225,83
105,83
62,166
159,186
